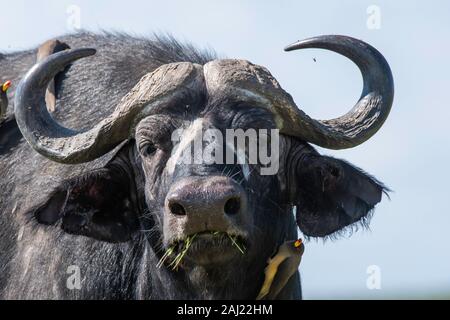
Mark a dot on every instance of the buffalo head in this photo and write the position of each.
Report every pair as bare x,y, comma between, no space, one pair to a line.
146,187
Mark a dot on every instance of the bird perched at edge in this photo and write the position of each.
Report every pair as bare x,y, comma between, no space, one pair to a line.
4,98
280,268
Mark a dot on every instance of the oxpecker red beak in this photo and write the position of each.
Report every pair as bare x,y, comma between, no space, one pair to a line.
6,86
298,243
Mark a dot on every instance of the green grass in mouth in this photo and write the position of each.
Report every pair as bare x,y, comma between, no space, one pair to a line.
174,264
235,243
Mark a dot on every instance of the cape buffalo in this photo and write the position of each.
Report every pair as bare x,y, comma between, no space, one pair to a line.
105,200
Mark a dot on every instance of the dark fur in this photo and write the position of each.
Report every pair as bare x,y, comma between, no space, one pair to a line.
109,198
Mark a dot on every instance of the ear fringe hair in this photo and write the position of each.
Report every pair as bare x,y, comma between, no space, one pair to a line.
362,224
346,232
384,187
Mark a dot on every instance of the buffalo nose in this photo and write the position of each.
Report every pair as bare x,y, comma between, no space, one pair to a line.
208,195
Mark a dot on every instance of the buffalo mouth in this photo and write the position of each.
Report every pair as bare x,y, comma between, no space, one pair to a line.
207,247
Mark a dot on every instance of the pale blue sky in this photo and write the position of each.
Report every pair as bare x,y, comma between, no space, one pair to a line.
410,235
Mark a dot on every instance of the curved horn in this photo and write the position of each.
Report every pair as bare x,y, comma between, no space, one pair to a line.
369,113
46,136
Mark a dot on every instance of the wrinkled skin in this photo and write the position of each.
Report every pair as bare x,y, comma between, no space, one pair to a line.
111,217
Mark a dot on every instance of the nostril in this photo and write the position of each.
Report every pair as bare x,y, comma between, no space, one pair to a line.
177,209
232,206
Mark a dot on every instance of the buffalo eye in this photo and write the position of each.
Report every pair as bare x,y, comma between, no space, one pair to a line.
148,149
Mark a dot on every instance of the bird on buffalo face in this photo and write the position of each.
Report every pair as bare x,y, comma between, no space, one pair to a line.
280,268
4,99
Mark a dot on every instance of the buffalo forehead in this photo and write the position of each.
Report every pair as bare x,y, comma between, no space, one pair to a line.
245,81
239,80
239,73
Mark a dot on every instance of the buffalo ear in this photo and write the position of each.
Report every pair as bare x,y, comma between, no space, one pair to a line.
332,194
95,205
